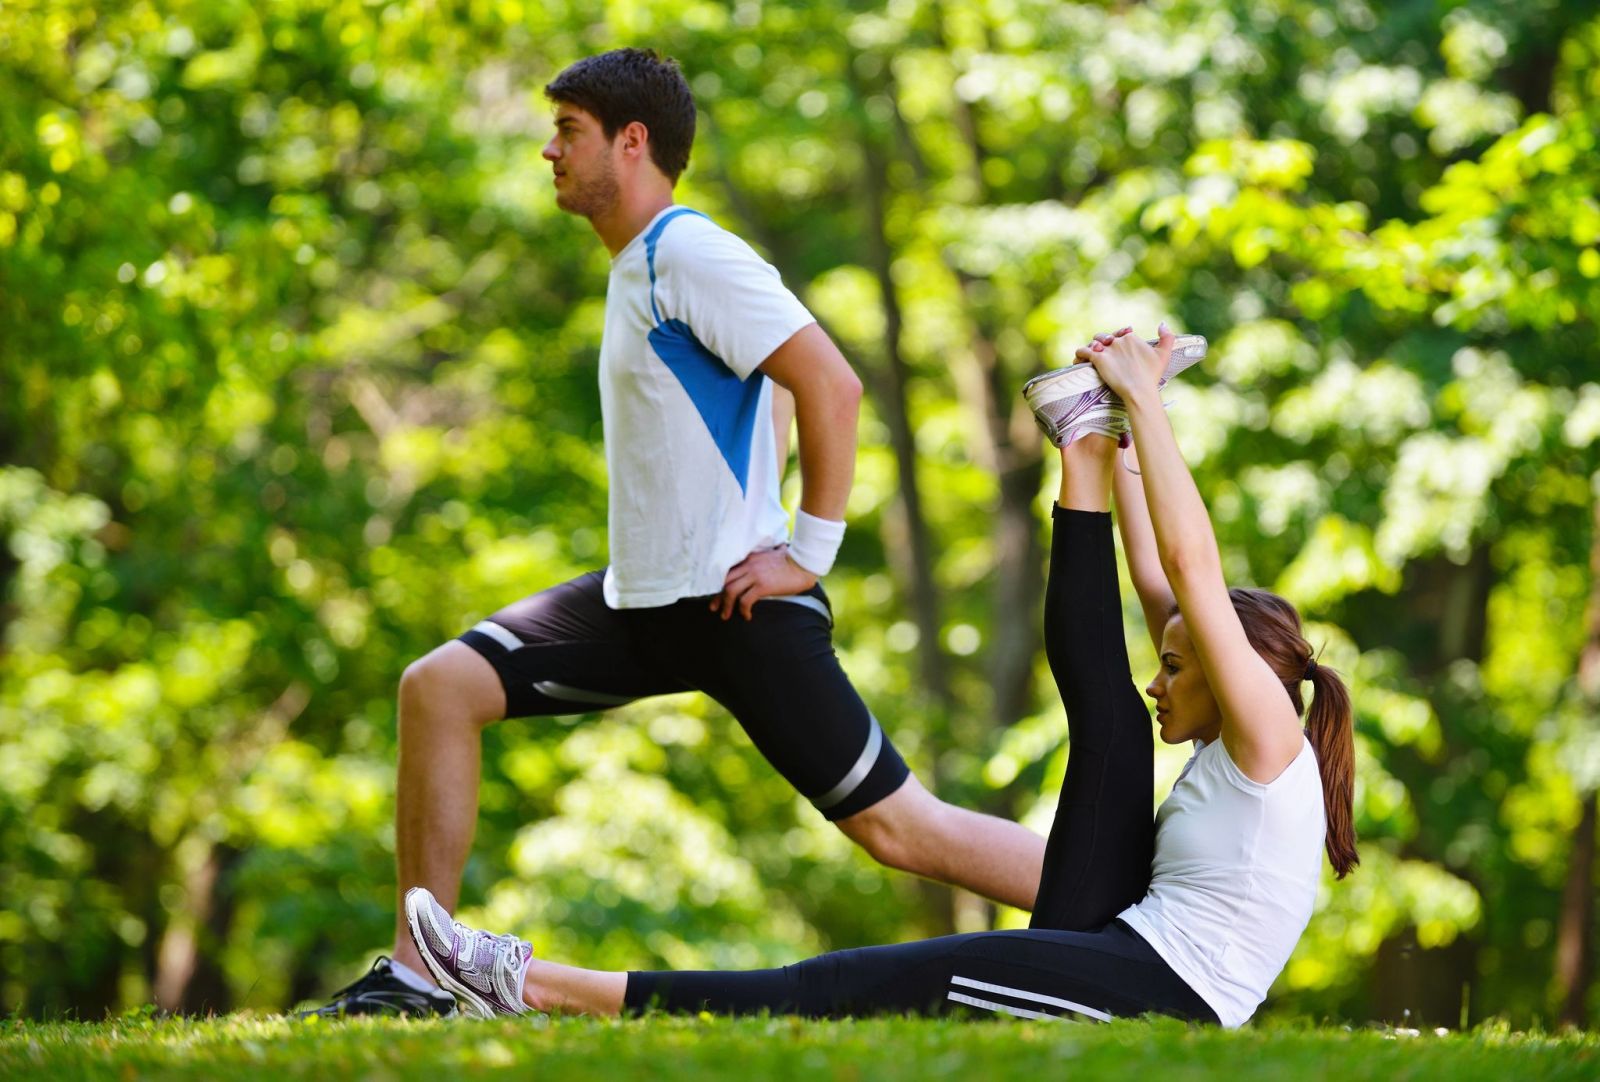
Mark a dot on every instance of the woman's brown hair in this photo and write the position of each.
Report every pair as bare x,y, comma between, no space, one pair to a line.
1273,627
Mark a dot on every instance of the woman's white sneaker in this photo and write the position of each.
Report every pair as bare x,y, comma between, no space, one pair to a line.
483,971
1073,402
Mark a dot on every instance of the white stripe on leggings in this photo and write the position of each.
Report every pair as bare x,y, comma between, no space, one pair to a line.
973,1001
1036,997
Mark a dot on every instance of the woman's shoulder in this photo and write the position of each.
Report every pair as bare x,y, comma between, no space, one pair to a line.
1292,776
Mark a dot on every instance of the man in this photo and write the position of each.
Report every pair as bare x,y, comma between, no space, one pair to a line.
706,588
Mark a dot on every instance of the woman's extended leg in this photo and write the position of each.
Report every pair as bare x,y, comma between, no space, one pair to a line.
1097,860
1034,973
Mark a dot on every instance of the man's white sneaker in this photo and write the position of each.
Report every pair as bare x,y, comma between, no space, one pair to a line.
485,972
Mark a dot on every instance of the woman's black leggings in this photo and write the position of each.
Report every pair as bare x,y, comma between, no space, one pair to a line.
1076,959
1097,860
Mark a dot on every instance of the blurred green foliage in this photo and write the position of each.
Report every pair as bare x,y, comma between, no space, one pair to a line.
296,381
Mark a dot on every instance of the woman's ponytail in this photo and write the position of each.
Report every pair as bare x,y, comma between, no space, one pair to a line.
1273,627
1332,733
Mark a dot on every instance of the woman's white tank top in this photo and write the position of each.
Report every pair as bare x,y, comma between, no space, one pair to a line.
1235,877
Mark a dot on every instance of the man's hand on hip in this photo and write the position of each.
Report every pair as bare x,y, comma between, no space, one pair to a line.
761,574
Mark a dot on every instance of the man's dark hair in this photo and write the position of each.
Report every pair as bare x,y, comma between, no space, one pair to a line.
625,85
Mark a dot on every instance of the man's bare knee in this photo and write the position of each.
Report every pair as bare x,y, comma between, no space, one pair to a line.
452,681
900,830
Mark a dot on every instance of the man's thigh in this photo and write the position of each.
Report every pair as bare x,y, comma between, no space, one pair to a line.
777,673
564,651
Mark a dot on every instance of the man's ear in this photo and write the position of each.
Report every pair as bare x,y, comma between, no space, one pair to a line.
634,139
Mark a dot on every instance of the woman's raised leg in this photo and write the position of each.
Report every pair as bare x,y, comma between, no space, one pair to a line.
1097,859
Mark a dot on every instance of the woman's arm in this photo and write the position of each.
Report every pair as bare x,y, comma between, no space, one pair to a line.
1259,725
1139,545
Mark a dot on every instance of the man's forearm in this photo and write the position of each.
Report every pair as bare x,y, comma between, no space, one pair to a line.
826,415
827,402
782,425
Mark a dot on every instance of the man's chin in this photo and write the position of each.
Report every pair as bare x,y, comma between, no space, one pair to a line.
573,204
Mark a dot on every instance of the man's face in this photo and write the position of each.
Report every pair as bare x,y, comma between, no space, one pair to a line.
583,160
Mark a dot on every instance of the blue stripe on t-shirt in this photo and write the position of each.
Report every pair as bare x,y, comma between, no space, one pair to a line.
726,403
650,241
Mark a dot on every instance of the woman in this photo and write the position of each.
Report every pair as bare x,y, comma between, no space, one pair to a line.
1193,915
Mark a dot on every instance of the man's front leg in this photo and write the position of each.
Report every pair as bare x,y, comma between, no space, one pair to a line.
446,700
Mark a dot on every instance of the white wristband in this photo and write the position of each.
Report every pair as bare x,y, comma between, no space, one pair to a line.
816,542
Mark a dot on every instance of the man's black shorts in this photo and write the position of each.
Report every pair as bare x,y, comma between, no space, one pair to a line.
565,651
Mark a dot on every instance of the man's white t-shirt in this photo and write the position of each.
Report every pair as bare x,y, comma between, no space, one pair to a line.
1234,877
691,311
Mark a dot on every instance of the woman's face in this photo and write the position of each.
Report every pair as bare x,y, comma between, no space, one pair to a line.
1185,707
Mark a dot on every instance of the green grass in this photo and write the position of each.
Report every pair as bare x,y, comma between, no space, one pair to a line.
241,1049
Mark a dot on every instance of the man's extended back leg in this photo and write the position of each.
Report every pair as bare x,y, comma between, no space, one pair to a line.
446,699
777,673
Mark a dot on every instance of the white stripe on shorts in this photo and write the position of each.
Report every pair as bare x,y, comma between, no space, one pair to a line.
567,693
857,773
499,634
805,601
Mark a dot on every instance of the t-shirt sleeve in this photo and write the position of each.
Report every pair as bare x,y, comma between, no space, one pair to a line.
733,301
1240,780
1236,777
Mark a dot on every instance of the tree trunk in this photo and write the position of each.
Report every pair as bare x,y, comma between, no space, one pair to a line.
1019,583
916,553
1575,935
907,539
1017,464
1421,988
189,979
908,544
1012,450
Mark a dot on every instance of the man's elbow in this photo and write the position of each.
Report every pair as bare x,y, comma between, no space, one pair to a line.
836,386
849,389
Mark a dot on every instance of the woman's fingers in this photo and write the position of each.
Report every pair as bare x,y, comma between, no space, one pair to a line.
1100,344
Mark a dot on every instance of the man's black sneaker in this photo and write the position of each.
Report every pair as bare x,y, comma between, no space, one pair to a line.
380,991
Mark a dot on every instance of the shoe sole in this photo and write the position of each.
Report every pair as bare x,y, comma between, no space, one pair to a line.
471,1002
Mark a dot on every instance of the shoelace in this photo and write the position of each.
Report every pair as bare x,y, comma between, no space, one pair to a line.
472,935
361,980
